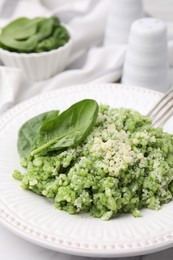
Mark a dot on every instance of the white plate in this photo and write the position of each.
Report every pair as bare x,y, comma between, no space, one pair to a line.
34,217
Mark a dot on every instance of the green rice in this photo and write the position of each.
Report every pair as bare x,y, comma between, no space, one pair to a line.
124,165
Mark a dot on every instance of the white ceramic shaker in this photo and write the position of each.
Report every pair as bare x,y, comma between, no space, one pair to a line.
146,62
121,15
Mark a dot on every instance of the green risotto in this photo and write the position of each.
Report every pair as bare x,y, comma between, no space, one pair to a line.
121,166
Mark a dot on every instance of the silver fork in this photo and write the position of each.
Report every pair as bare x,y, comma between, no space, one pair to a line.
162,110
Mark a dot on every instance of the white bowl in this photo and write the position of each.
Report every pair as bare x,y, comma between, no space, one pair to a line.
39,66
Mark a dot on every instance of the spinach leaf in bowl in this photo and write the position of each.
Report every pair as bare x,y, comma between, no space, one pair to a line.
25,35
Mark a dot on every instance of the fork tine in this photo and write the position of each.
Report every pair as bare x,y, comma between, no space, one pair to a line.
160,104
163,117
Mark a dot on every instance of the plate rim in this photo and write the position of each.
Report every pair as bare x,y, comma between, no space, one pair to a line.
65,246
39,97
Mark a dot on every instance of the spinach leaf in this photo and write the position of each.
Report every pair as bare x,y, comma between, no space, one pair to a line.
29,132
21,46
33,35
58,38
45,28
20,34
22,28
69,128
